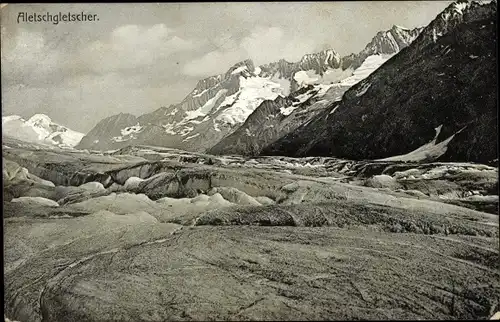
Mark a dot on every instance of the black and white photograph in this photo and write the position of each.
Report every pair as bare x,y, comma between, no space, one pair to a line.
250,161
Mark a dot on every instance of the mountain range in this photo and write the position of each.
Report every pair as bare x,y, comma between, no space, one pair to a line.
220,104
410,95
436,99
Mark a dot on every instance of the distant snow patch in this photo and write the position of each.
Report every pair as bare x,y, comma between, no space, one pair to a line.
229,100
201,93
315,91
429,151
206,118
284,83
459,7
393,41
119,139
131,129
323,89
304,78
363,90
369,65
333,111
9,118
400,27
186,130
288,110
304,97
169,128
206,108
191,137
216,127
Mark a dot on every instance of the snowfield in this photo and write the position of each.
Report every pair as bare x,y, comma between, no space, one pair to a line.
429,151
253,91
369,65
206,108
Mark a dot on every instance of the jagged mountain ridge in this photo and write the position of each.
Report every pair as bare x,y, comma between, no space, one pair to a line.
39,129
220,104
384,43
445,79
209,112
272,123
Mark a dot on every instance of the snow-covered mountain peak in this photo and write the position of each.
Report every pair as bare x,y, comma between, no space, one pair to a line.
456,9
460,5
39,129
244,68
391,41
453,15
396,27
327,57
220,104
210,86
9,118
39,120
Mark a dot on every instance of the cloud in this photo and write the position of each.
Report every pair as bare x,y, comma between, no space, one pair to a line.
43,59
212,63
263,45
132,69
28,55
132,46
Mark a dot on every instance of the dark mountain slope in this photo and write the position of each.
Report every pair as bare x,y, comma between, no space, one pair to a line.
446,77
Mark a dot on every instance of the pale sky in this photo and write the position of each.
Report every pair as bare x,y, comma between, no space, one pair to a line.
139,57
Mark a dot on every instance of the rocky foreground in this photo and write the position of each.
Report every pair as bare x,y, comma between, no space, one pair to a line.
154,234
